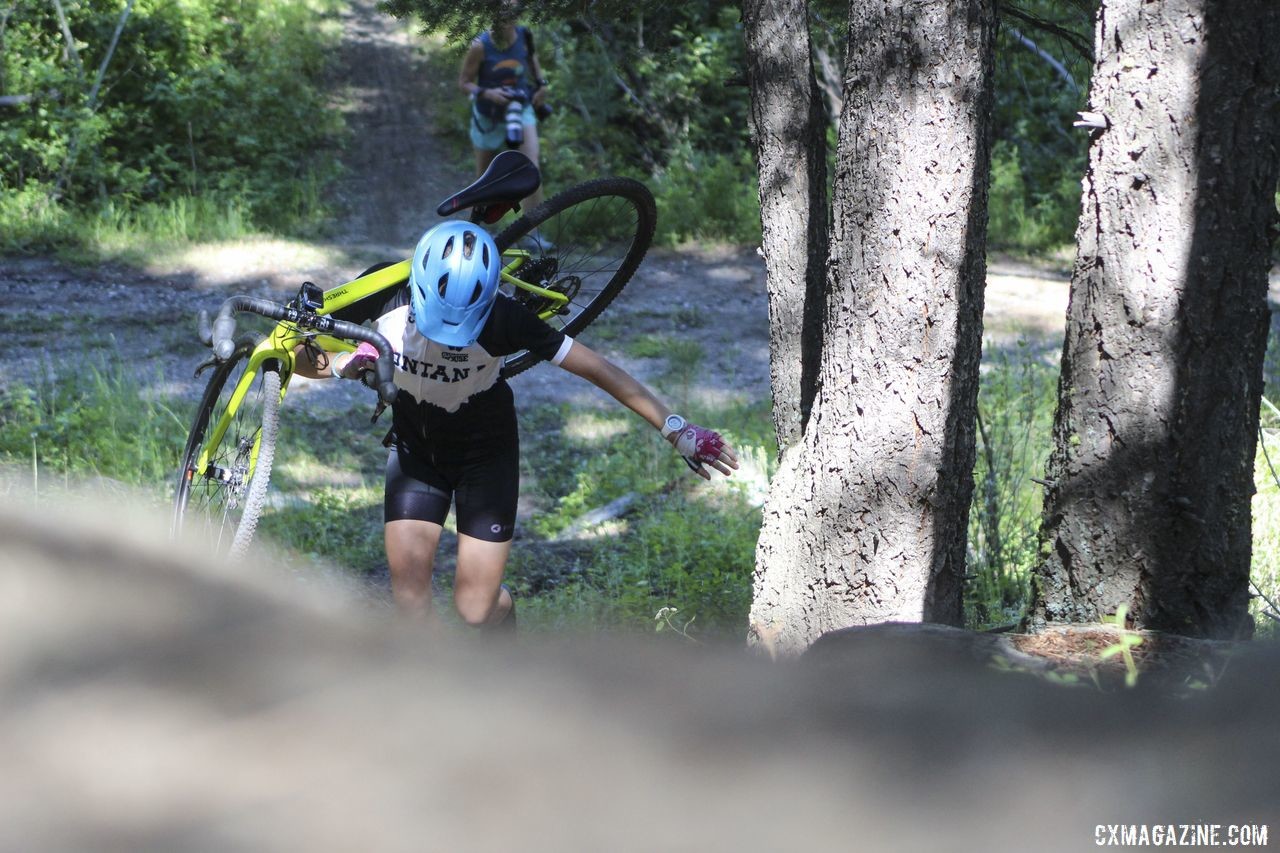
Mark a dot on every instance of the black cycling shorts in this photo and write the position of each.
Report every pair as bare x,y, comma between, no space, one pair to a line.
480,473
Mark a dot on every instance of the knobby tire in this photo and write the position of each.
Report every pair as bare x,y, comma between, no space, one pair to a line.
228,514
600,231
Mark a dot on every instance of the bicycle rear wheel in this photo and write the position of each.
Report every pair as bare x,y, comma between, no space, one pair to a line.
223,501
586,243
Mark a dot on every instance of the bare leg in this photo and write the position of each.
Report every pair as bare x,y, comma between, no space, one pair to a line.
530,149
477,590
483,159
411,553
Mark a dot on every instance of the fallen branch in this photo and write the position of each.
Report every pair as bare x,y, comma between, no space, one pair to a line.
599,515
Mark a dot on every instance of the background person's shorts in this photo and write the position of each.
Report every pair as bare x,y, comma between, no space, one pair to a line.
495,138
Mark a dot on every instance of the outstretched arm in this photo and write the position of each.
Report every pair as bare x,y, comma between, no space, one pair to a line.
630,392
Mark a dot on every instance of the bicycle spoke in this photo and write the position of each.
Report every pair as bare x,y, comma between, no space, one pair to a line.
214,502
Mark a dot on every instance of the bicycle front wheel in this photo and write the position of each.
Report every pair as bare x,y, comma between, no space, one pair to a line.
585,243
222,487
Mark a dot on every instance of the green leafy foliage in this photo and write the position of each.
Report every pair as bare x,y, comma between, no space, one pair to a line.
218,99
1038,158
1026,221
660,98
670,106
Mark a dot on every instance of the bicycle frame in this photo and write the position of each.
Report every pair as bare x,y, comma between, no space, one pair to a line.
282,343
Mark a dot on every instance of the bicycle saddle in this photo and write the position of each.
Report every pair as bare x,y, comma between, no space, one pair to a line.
510,177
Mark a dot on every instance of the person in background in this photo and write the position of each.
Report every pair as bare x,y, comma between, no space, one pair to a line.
500,73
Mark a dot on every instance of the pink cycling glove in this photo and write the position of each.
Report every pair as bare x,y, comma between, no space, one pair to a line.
351,366
697,445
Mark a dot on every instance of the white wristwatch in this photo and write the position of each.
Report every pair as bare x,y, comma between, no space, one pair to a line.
672,425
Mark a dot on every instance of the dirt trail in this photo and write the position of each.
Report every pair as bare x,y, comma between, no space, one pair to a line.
394,103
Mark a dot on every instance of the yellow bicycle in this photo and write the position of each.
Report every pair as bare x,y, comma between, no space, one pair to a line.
566,260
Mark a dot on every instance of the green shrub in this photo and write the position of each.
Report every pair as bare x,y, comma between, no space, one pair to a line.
1021,220
219,100
31,220
707,196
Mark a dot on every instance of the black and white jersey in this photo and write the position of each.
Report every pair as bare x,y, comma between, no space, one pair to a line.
448,377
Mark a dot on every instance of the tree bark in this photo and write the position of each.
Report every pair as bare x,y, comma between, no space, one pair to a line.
1154,439
788,131
866,519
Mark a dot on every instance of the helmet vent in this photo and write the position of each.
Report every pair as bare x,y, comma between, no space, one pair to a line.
468,244
448,249
475,294
442,284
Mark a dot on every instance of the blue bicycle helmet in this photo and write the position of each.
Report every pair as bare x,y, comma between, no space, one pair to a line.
453,282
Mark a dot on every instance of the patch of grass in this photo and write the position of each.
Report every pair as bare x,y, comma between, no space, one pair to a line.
323,448
326,486
31,222
684,357
34,324
689,317
682,542
99,422
648,346
341,525
1016,400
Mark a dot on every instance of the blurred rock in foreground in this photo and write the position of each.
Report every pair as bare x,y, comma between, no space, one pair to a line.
151,700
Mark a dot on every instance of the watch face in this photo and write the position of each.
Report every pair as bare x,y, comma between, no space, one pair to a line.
674,423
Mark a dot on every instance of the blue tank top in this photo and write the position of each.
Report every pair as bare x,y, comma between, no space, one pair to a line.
508,67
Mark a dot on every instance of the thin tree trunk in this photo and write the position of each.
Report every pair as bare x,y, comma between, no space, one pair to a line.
1152,469
106,60
69,50
91,101
866,519
4,26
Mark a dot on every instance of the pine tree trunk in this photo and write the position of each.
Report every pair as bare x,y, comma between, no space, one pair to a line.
788,130
865,520
1152,469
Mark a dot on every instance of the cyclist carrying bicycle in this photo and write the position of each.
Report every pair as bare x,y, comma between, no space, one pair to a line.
454,421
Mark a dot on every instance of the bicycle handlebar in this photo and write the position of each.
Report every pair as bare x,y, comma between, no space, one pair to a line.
224,328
